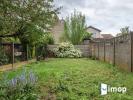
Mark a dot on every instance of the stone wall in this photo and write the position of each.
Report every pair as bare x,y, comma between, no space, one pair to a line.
84,49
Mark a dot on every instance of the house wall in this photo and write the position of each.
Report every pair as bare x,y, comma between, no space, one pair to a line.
57,31
96,34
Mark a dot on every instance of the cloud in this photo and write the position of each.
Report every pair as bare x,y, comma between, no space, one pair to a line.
108,15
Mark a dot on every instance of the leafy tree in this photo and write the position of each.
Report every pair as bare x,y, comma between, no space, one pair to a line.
27,20
21,16
86,36
3,57
124,30
74,28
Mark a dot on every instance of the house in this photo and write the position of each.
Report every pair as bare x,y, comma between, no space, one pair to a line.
107,36
57,30
95,32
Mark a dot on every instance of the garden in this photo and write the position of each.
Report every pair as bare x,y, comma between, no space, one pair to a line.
65,79
59,74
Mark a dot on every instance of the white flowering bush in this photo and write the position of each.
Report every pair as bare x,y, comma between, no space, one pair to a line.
67,50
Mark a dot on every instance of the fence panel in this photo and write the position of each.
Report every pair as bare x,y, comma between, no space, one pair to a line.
12,53
96,46
92,49
109,51
117,51
123,52
101,51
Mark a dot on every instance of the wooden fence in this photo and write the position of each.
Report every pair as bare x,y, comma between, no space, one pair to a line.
14,52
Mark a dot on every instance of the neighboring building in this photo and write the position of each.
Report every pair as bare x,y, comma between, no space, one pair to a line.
95,32
107,36
58,30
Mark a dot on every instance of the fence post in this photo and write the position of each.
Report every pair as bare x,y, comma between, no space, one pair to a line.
104,50
27,49
36,54
114,52
12,55
98,49
131,34
93,50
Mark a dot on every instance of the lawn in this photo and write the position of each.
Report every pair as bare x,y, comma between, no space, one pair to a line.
78,79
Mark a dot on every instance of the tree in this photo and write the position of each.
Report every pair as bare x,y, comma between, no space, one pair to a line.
74,28
27,20
18,15
124,30
86,36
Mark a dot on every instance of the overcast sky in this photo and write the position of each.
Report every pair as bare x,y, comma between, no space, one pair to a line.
107,15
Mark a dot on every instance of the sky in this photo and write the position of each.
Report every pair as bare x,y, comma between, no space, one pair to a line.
106,15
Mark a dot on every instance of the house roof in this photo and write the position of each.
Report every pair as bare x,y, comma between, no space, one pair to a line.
94,28
107,36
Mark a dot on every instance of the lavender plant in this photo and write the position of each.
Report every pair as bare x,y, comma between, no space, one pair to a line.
21,87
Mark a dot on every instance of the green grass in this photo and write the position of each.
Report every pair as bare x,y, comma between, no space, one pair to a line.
79,79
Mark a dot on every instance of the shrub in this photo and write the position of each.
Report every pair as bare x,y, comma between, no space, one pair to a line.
49,38
21,87
41,52
67,50
3,57
86,36
41,47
